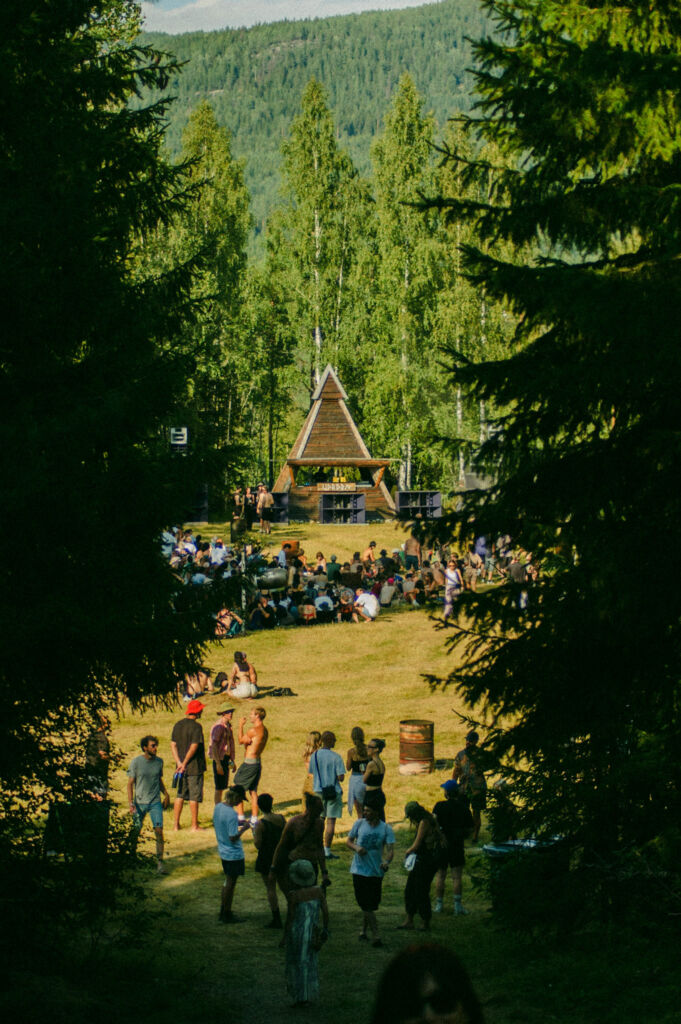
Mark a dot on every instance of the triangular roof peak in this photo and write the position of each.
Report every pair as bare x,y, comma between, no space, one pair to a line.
329,385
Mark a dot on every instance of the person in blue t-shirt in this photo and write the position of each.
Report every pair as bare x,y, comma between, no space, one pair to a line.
228,833
373,843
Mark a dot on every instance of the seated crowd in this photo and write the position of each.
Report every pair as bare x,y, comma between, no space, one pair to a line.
295,591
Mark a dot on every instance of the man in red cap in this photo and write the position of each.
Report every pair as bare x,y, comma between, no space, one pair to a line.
189,751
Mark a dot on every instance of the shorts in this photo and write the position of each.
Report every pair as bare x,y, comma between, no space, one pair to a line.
248,775
234,868
332,808
455,854
478,801
154,810
266,515
367,892
190,787
411,562
346,612
221,781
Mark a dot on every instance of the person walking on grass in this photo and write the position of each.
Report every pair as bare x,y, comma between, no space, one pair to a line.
328,772
188,749
455,819
266,836
228,833
147,793
373,843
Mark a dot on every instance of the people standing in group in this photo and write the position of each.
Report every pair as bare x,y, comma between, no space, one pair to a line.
328,772
314,742
430,849
221,751
454,818
373,778
228,832
373,844
471,778
147,793
304,933
243,678
266,836
302,839
356,763
253,740
187,745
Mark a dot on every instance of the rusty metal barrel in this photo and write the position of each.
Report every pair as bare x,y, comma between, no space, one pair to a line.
416,746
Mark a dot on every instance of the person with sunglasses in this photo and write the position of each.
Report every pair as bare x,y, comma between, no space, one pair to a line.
147,793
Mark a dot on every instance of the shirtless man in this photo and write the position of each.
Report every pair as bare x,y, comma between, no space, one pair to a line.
254,741
243,678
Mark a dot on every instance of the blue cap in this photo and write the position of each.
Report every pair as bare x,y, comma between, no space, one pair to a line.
450,785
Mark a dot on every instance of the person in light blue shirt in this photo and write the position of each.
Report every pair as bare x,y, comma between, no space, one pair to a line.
228,833
328,771
373,843
282,556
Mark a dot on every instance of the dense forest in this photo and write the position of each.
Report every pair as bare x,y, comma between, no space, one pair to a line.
344,269
254,78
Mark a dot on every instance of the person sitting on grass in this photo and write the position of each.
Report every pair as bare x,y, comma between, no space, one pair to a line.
228,623
367,605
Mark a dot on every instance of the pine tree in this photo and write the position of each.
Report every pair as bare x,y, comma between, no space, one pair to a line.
581,688
89,372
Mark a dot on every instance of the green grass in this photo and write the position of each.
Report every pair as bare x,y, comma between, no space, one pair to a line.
190,967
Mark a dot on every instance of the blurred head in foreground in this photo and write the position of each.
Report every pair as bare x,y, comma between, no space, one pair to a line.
426,984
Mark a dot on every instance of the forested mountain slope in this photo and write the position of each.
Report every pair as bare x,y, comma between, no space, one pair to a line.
254,78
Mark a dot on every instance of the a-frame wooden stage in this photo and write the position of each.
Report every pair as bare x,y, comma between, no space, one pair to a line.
328,444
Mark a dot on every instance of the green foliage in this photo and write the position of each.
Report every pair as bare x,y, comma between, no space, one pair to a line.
209,234
254,77
91,360
581,691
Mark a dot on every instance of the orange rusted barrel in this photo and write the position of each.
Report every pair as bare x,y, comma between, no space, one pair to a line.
416,746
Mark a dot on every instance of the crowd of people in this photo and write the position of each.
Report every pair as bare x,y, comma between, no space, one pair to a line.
294,590
294,855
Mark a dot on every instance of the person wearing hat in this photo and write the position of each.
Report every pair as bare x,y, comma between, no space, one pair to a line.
228,832
456,821
187,745
221,751
302,936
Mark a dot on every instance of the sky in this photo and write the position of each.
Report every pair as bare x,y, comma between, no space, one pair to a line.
190,15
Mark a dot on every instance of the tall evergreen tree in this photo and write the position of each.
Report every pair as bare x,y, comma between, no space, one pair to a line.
581,688
88,374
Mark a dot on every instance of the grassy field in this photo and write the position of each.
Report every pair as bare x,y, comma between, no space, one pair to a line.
343,675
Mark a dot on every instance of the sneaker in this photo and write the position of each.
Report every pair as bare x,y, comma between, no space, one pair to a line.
332,856
254,821
161,869
438,906
242,820
459,910
231,918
